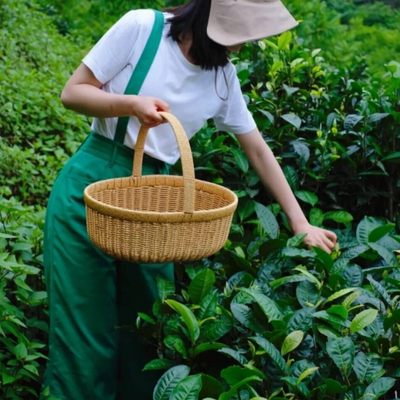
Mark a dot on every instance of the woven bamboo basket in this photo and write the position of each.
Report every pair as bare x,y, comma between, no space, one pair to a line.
159,218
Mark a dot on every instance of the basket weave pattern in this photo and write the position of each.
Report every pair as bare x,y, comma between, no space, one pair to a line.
159,218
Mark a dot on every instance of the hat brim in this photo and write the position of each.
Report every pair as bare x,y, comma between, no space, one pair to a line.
235,22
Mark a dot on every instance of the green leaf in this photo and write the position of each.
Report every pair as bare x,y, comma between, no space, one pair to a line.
308,372
32,369
207,346
367,366
235,354
334,320
380,289
168,381
330,333
240,159
165,288
307,294
377,117
270,117
214,330
7,378
235,374
295,252
339,311
341,351
188,318
296,240
291,342
22,246
201,285
365,227
378,388
351,121
291,176
287,279
316,217
245,316
363,319
380,231
395,156
342,217
323,258
211,387
267,220
339,294
272,351
293,119
158,363
310,277
301,149
208,304
245,208
351,298
296,386
147,318
187,389
353,275
386,254
301,320
290,90
7,236
284,40
307,197
20,351
268,306
333,387
354,251
174,342
232,392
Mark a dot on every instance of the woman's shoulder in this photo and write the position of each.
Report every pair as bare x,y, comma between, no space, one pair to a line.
230,70
140,17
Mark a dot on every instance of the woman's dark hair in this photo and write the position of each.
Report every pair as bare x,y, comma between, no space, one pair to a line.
193,18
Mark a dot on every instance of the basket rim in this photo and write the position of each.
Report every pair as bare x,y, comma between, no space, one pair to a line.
153,216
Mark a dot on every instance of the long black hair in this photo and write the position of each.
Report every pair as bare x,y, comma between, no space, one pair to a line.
192,18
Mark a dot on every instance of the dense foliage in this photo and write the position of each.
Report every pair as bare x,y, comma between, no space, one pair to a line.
269,319
277,320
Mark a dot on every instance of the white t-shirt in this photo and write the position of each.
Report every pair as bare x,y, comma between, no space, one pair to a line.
190,91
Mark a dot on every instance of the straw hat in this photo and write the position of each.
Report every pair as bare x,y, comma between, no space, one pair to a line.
233,22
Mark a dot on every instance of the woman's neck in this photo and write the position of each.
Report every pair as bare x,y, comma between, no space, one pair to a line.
185,45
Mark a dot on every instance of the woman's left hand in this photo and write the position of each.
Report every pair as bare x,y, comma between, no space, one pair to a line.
317,237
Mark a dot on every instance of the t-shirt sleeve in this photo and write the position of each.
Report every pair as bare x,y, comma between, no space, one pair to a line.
233,115
114,50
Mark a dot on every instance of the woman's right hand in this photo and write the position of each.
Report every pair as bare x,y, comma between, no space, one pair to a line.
147,109
82,93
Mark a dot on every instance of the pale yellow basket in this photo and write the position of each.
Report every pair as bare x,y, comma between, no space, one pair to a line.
159,218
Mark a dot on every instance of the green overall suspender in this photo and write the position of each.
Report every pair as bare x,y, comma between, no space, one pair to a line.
140,72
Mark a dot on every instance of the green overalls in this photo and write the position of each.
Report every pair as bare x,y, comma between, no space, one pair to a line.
94,352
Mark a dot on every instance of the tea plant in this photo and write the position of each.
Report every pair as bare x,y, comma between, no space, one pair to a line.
279,321
23,329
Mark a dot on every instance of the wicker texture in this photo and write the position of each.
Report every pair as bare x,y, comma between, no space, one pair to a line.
159,218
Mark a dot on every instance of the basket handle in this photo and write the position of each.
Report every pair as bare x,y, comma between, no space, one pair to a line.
186,159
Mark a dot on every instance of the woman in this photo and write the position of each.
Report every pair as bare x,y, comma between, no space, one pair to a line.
93,352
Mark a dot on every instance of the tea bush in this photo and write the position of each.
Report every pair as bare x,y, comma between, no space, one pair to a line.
350,31
267,318
23,330
335,130
37,133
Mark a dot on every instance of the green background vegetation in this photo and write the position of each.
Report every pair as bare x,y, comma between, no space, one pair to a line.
279,321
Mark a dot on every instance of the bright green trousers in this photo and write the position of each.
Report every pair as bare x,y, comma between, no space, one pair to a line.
94,351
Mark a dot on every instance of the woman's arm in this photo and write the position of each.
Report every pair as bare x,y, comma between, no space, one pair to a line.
271,175
83,94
